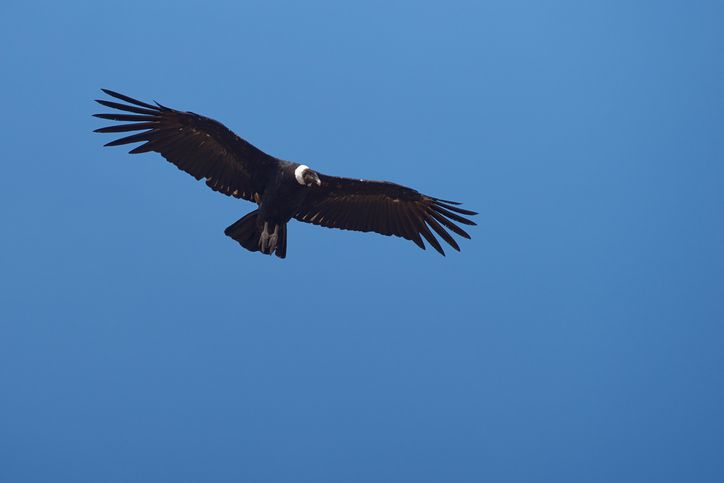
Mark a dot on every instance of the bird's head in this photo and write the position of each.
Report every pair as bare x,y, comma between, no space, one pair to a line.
306,177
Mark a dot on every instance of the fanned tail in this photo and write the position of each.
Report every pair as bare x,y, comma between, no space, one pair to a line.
254,235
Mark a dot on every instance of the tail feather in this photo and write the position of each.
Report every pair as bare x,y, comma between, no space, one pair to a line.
245,231
281,247
267,237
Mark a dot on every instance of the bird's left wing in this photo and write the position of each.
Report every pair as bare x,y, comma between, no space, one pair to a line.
202,147
385,208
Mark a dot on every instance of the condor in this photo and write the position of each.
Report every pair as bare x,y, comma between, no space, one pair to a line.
283,190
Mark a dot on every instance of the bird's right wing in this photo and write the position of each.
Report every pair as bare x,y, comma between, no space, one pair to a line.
385,208
202,147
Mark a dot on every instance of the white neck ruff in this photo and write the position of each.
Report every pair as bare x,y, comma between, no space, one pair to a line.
299,173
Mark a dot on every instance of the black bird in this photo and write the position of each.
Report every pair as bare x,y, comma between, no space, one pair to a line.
283,190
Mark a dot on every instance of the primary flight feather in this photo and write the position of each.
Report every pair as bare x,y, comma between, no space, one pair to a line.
283,190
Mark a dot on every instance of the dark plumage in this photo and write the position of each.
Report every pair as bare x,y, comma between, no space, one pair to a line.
206,149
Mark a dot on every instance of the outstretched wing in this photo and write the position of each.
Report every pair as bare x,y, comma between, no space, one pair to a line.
202,147
382,207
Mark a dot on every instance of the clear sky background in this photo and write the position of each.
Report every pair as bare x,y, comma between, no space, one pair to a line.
578,337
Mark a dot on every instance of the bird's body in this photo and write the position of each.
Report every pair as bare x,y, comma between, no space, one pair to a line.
284,195
282,198
283,190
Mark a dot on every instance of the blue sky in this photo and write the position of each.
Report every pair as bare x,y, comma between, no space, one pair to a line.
577,337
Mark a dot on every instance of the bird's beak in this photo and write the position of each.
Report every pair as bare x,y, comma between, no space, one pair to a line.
317,181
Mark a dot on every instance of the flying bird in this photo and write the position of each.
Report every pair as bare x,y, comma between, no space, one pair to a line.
283,190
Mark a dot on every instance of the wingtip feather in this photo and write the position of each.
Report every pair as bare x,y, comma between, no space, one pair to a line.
128,99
